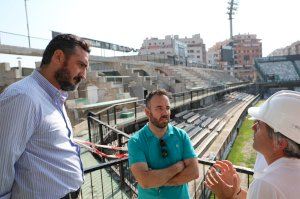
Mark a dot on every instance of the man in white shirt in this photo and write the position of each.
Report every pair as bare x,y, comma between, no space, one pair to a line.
38,157
277,138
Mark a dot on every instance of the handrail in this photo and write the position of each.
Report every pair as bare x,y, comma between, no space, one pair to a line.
104,165
239,169
280,81
109,127
132,183
112,106
172,96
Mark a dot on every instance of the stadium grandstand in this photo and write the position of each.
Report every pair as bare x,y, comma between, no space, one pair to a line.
279,68
209,104
210,123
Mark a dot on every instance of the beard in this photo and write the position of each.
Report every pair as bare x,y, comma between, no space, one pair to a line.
157,123
63,77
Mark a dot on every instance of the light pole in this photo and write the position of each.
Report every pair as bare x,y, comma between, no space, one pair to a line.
231,11
28,35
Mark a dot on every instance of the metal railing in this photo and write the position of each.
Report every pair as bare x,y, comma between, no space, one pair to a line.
204,193
114,180
116,174
15,39
111,114
99,131
109,180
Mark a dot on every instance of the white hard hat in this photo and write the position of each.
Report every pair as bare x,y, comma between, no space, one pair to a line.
281,112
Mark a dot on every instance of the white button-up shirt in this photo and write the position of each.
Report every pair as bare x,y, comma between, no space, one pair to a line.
37,156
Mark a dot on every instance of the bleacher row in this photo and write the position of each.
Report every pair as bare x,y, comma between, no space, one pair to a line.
189,75
199,77
280,70
203,128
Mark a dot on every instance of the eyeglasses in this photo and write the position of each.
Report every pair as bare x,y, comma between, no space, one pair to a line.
163,147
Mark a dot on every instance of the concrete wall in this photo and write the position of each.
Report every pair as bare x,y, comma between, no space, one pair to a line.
92,93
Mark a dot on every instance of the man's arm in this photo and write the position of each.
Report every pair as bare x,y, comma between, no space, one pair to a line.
154,178
190,172
15,119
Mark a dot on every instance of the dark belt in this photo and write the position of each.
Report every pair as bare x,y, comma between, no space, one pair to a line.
72,195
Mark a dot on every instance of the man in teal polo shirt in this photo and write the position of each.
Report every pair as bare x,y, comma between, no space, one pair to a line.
161,156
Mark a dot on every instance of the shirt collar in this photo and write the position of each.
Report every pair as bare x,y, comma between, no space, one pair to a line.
167,134
279,163
48,87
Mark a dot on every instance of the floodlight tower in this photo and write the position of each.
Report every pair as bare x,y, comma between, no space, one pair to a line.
28,34
232,7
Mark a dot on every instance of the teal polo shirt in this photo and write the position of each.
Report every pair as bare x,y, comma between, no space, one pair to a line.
144,146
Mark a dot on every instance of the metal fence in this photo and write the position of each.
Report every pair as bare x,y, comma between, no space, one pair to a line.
14,39
111,115
111,179
114,180
245,174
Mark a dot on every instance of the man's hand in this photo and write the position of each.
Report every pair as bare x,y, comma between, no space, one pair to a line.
225,184
228,173
179,166
155,178
189,173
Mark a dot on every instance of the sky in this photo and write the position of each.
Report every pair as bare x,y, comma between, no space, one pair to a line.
129,22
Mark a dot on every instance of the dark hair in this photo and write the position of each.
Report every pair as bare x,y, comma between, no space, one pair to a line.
158,92
65,42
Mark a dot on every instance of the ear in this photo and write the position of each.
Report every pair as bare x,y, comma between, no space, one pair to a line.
147,111
282,144
58,57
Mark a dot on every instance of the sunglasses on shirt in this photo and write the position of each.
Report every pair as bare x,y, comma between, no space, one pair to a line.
163,147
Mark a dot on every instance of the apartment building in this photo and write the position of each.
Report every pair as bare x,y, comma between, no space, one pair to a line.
192,50
245,48
292,49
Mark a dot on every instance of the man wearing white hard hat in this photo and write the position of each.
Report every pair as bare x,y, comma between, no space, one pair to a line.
277,138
